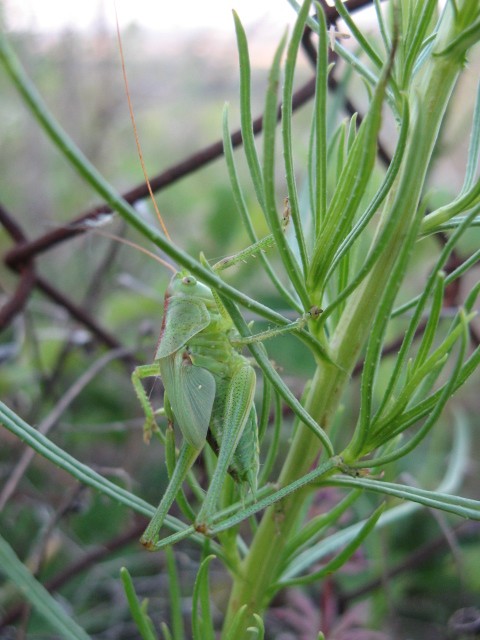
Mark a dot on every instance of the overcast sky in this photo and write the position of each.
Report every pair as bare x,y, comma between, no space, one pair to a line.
52,15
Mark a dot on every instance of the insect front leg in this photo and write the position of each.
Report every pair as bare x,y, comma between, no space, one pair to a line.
139,373
274,332
237,410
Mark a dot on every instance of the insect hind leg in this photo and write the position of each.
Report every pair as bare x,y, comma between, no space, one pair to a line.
236,413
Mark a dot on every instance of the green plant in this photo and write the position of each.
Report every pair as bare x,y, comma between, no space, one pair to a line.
350,251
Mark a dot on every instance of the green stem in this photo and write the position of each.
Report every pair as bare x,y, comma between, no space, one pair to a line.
261,566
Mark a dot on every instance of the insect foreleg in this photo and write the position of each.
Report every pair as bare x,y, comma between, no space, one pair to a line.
278,331
260,245
141,372
238,405
242,256
186,458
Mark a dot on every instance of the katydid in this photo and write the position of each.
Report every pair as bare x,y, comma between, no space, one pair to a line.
209,393
209,388
209,385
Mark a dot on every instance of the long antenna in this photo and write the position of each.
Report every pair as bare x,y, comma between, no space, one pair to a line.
136,246
137,140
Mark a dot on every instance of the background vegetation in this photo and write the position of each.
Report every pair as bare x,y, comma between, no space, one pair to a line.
62,373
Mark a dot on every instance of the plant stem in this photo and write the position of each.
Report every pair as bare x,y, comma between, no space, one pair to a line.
429,99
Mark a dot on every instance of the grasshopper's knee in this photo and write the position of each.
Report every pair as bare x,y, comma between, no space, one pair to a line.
149,428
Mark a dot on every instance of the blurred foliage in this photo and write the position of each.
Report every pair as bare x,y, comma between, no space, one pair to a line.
177,101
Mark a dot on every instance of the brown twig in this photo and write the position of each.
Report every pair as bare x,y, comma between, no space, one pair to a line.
27,273
25,250
29,279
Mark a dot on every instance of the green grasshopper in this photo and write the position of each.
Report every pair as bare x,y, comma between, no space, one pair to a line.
209,385
209,388
209,393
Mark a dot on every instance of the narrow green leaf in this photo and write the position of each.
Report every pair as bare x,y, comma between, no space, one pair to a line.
432,323
362,40
415,35
320,125
36,594
175,596
269,131
467,264
433,365
450,483
371,79
314,528
341,149
292,52
460,45
140,617
340,559
87,476
425,407
461,204
350,188
202,624
380,436
246,113
272,452
244,213
166,632
420,303
237,623
260,627
473,147
375,344
462,507
352,132
387,43
425,51
365,218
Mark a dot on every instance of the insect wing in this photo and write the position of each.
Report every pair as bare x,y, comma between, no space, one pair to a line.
184,317
191,392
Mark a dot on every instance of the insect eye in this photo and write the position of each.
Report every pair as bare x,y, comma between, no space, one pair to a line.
189,280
